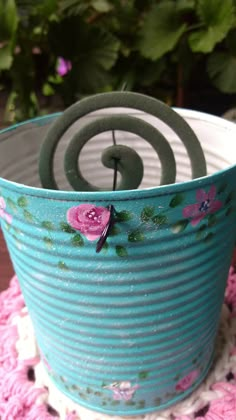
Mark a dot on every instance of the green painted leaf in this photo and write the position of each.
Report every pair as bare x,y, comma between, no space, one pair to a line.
179,226
136,236
229,211
176,200
161,31
65,227
77,240
209,237
201,231
221,68
48,242
12,205
158,401
105,247
22,202
28,216
222,188
230,197
130,403
212,220
47,225
98,393
159,219
121,251
114,231
141,404
124,216
217,18
114,403
143,375
147,213
62,265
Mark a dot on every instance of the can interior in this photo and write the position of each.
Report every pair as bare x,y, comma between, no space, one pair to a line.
20,148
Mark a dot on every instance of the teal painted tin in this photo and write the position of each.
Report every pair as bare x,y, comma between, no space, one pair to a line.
131,329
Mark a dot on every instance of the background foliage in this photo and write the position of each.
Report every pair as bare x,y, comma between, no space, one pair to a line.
176,50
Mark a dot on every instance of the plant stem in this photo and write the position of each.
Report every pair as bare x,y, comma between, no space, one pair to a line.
180,89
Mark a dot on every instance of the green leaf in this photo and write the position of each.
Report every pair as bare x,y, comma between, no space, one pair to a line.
136,236
92,50
179,226
147,213
28,216
217,17
102,6
48,90
22,202
65,227
161,30
124,216
6,57
8,19
143,375
184,6
176,200
77,240
47,225
62,265
121,251
48,242
159,219
221,68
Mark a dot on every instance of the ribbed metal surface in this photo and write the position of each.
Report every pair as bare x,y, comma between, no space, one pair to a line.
144,320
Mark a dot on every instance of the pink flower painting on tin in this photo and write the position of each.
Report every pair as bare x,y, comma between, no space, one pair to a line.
206,204
89,220
187,381
123,390
3,214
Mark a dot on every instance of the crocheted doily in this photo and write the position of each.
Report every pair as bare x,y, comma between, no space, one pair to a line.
26,391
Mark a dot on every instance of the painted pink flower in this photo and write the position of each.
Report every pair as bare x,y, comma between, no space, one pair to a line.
3,214
123,390
187,381
63,66
206,204
89,220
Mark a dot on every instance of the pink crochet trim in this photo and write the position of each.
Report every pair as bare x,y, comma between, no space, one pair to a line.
18,394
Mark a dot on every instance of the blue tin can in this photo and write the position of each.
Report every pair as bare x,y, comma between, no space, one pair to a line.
131,329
